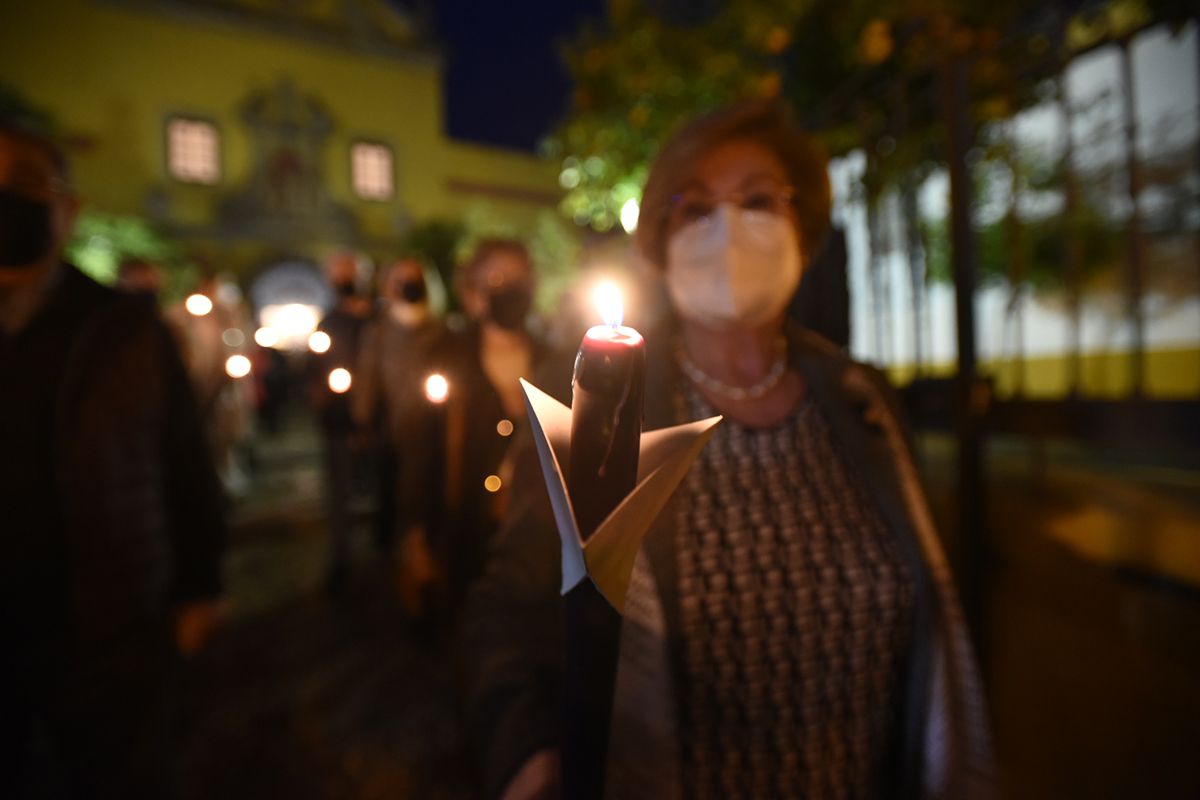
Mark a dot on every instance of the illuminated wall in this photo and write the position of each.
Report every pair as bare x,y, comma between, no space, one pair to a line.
112,72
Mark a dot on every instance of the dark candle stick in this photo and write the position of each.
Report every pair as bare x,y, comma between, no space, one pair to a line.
606,424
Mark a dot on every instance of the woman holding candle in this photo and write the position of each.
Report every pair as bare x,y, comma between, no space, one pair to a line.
790,629
456,467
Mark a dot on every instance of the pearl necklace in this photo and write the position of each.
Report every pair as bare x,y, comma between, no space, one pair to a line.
702,378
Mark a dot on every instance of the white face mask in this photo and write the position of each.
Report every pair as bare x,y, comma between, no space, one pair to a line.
736,267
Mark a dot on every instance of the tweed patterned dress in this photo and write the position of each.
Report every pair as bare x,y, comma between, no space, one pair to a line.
795,614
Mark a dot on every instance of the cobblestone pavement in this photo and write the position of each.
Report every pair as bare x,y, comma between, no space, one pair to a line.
304,696
1091,646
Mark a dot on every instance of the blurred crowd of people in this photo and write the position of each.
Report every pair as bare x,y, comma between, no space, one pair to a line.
791,629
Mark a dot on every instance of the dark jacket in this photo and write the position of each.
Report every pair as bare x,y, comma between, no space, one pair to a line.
143,508
345,333
454,449
389,374
513,622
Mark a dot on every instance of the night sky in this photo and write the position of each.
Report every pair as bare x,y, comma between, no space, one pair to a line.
504,81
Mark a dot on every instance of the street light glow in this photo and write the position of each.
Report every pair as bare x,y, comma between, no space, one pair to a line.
266,337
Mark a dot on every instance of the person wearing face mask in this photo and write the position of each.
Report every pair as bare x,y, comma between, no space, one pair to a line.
114,521
791,629
343,449
388,394
458,472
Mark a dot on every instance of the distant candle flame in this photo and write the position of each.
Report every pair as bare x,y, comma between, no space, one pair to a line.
319,342
340,380
607,298
198,305
266,337
237,366
437,388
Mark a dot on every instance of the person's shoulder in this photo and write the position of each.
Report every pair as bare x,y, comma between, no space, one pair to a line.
810,344
447,345
822,360
86,293
83,288
456,334
375,326
342,318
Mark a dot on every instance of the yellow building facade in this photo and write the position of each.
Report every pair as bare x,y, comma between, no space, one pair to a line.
288,94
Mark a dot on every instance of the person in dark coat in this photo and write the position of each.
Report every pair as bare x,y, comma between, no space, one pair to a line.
791,628
457,474
388,396
343,443
114,518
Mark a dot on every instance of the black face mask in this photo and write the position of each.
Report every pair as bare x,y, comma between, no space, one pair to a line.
509,305
413,291
26,234
345,289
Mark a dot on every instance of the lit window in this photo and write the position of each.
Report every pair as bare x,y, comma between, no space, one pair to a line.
193,150
371,171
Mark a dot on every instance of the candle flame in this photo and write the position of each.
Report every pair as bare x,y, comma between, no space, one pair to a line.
198,305
607,298
340,380
319,342
237,366
437,388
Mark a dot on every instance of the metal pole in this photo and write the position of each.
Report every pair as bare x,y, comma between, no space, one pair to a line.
1196,38
1071,248
1133,261
967,405
911,230
874,270
916,269
871,197
1016,254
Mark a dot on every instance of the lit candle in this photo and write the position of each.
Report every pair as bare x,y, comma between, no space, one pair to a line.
340,380
319,342
237,366
606,429
198,305
606,414
437,388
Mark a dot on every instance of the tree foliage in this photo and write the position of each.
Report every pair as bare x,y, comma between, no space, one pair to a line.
642,76
100,242
864,74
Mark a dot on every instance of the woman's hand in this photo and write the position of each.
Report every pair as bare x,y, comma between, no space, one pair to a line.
537,779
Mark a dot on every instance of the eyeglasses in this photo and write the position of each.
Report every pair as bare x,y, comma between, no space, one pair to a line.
693,205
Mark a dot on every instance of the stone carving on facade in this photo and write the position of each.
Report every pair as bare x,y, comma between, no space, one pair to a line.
285,195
